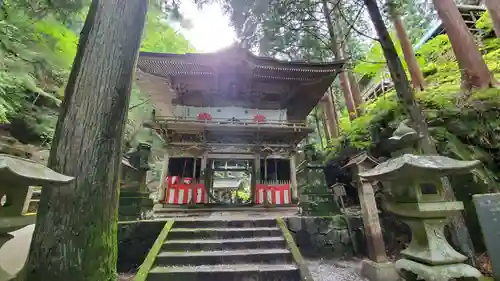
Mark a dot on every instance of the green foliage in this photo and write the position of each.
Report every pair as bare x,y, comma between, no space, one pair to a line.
374,62
53,35
469,132
38,42
485,22
160,37
30,73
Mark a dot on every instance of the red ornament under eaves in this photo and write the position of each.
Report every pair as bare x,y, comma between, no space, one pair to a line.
259,118
204,116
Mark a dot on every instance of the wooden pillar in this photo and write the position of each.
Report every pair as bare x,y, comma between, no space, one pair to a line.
27,200
265,169
203,165
276,170
194,168
164,174
208,176
255,177
293,178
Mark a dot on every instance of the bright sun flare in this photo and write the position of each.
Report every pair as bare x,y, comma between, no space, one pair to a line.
211,29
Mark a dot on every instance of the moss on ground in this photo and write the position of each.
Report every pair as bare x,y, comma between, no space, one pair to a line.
468,131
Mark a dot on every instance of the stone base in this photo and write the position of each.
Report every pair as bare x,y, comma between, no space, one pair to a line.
413,271
375,271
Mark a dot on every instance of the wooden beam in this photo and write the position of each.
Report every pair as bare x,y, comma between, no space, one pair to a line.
231,156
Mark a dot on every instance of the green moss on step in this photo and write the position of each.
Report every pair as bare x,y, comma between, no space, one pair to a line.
146,266
305,275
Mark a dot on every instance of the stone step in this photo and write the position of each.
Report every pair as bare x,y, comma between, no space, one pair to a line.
236,272
255,256
230,223
223,233
225,244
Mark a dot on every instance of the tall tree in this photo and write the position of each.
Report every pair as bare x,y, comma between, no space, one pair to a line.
75,234
417,78
475,73
330,114
338,50
460,234
344,27
494,10
356,93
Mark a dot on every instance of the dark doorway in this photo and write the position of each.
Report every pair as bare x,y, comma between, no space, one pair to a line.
183,167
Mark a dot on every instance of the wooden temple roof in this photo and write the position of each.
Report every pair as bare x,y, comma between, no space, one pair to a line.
235,77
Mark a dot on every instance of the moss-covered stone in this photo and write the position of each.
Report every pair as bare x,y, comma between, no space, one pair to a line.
135,239
324,236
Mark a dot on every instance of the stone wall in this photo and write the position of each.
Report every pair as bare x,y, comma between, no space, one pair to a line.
135,238
326,237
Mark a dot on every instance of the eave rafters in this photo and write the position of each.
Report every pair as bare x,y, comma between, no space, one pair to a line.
217,73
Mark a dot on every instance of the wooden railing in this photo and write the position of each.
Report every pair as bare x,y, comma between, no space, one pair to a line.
222,121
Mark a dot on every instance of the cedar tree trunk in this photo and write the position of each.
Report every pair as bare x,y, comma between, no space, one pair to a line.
331,116
494,10
75,234
475,73
459,232
356,93
417,78
326,122
336,48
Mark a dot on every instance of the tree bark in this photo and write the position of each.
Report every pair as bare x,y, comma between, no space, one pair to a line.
336,49
356,93
494,11
75,234
417,78
326,129
459,232
345,84
475,73
331,117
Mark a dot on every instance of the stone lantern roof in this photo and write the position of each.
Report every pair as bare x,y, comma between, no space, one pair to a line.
412,166
27,172
361,158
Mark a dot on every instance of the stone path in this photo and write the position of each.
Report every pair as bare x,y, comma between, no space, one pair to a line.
335,270
321,270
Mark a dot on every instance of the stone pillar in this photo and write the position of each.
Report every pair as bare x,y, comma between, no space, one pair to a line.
293,179
376,267
374,239
164,174
373,231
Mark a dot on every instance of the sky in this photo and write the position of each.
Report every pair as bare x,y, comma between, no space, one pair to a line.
210,28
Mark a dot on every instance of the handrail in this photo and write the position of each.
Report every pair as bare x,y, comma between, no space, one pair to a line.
178,119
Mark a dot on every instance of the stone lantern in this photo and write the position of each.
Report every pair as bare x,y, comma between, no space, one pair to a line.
18,175
418,198
134,200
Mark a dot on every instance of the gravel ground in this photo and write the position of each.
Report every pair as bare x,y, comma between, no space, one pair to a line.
321,270
335,270
125,277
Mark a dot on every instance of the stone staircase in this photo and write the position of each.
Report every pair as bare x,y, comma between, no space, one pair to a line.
232,250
